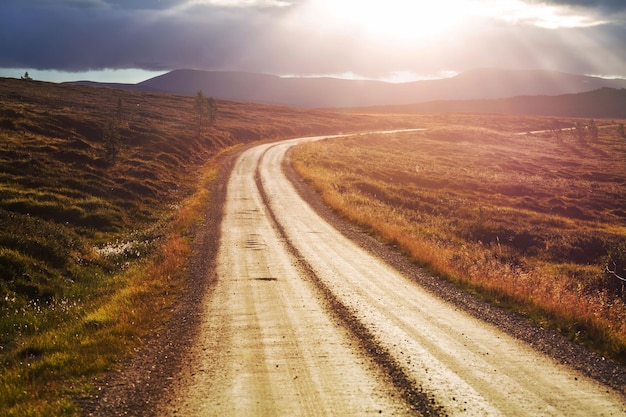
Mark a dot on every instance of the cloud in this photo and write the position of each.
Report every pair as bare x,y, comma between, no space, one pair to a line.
607,6
78,38
244,3
301,37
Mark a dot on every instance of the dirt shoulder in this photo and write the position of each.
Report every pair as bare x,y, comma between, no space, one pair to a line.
547,341
139,383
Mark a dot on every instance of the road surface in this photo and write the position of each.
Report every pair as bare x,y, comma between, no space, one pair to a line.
302,321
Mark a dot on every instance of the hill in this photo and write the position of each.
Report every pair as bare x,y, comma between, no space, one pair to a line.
601,103
57,168
100,190
338,93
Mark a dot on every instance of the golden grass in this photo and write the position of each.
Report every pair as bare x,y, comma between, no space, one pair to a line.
93,251
521,220
138,301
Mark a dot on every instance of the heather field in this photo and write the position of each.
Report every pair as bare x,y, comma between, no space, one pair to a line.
100,193
524,212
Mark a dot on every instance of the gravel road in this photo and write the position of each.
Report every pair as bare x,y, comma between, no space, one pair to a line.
301,320
267,346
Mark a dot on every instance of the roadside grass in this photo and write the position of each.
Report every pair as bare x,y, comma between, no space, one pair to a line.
522,220
52,368
94,242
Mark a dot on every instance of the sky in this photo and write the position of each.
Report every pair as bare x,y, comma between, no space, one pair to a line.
393,40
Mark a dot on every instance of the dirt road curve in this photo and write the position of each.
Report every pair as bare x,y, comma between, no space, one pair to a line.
269,344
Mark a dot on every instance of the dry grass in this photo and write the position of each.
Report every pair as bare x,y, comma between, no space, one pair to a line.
93,250
46,372
523,220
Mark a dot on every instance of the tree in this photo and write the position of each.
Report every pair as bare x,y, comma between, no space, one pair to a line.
622,133
111,136
200,107
593,130
211,109
112,141
205,108
579,130
555,128
120,111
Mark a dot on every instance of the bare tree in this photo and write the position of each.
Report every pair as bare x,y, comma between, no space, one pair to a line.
580,132
555,129
200,107
614,272
205,108
593,130
616,268
120,111
112,141
211,109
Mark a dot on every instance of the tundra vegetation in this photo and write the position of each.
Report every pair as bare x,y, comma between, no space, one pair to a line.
100,192
527,212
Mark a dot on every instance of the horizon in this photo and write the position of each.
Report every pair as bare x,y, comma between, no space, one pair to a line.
124,76
133,76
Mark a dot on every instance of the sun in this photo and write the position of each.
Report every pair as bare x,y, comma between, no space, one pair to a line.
399,18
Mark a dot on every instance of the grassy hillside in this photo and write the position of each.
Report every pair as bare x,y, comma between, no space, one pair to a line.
98,191
601,103
527,220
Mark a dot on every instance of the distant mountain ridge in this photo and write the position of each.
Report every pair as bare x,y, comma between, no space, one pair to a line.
476,84
602,103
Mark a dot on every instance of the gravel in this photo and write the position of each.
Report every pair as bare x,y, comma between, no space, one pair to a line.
137,385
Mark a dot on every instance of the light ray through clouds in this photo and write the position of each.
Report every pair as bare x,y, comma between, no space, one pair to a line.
411,19
362,38
543,15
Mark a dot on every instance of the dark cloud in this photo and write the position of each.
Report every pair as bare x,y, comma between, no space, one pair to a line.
101,4
144,4
79,38
80,35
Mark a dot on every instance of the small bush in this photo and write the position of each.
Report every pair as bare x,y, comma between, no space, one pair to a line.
616,269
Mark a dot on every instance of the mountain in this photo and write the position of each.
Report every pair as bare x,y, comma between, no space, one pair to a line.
117,86
602,103
271,89
338,93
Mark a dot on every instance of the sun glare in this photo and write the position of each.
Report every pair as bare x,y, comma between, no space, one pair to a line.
410,19
398,18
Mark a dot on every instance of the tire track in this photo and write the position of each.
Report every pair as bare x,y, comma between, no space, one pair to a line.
411,391
469,367
267,346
